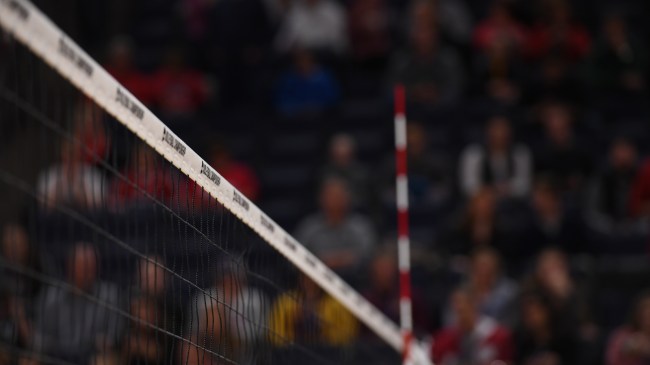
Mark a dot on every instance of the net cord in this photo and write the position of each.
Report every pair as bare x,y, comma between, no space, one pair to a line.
28,25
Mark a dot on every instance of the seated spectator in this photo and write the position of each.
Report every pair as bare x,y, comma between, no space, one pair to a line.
499,163
430,72
226,319
151,278
453,17
343,164
119,63
541,337
177,90
17,251
383,291
144,175
630,344
62,320
640,193
552,223
500,27
369,30
310,316
316,25
499,72
88,127
567,301
619,61
343,240
71,181
238,173
428,174
608,204
473,338
554,79
558,33
495,294
306,87
560,157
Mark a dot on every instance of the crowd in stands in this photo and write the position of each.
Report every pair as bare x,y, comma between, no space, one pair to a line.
527,154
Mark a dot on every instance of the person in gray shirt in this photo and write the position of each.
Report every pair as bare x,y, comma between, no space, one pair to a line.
77,320
342,239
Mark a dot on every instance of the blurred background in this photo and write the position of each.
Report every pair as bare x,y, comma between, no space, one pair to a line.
528,137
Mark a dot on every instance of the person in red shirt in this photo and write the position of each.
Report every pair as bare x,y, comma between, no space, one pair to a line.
178,91
119,63
473,339
559,35
499,27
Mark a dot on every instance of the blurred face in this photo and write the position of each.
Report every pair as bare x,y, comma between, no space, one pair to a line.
416,139
485,270
383,272
342,151
335,200
15,244
82,267
465,311
144,310
550,264
424,38
623,155
304,62
545,201
557,122
535,315
498,134
151,277
615,32
120,56
482,205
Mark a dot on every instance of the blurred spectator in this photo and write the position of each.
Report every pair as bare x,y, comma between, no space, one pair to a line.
542,339
430,72
383,291
225,319
71,181
559,34
151,278
306,86
429,182
144,175
499,163
15,330
369,30
554,80
63,314
640,193
343,164
566,299
608,204
310,316
499,72
477,226
473,339
177,90
500,27
119,63
341,239
494,293
239,174
144,345
90,130
560,157
552,223
630,344
619,61
316,25
453,18
19,253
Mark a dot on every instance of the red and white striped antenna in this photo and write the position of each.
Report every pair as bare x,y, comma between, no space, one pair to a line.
403,239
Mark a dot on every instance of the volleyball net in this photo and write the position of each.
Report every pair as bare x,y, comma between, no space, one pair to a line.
121,245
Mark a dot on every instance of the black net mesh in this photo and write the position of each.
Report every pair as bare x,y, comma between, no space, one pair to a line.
110,255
